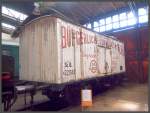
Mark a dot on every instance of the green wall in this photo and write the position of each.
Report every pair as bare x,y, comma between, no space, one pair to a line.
14,51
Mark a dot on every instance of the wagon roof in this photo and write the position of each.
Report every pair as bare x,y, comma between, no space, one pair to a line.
34,18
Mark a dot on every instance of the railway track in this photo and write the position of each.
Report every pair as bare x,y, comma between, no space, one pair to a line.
47,106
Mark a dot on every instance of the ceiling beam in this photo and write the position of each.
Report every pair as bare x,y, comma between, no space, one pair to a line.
25,7
11,21
7,31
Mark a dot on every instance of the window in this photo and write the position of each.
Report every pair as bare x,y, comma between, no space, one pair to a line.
116,25
123,23
123,19
108,20
143,19
142,11
96,29
13,13
131,22
115,20
102,25
84,25
130,15
102,28
108,26
143,15
96,24
89,26
8,26
123,16
102,22
131,19
108,23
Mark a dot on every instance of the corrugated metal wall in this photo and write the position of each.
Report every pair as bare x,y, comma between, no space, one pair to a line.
133,61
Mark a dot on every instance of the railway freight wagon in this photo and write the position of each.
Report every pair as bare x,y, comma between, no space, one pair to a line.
67,56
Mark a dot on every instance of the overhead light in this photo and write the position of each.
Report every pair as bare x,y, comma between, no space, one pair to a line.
13,13
36,10
8,26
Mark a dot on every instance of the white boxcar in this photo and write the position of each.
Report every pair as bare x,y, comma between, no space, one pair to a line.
55,51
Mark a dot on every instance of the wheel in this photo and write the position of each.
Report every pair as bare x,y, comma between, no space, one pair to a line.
55,96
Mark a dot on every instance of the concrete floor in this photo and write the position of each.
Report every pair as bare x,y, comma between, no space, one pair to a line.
132,97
